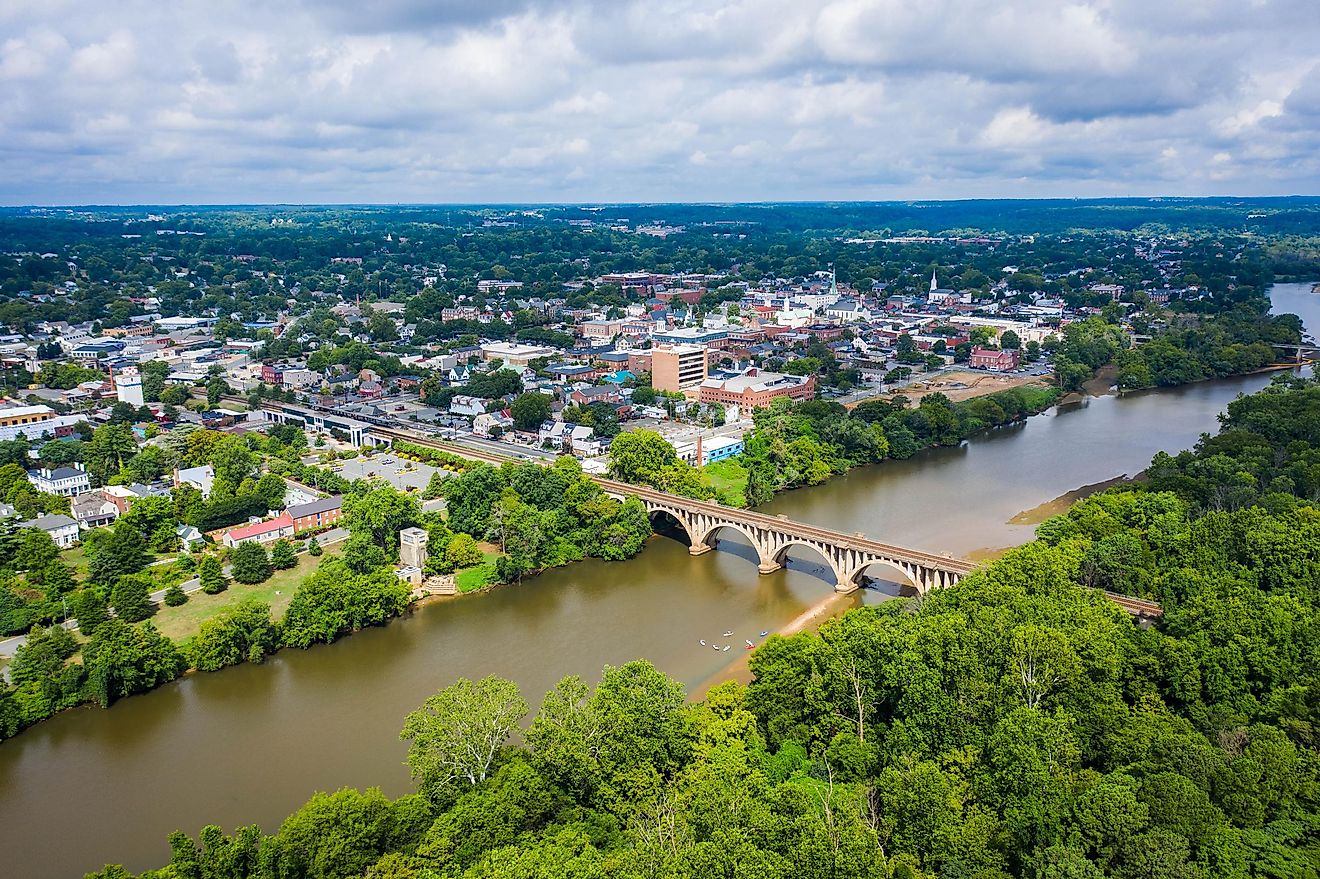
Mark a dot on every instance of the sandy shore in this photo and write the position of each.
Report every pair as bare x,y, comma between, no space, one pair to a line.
812,618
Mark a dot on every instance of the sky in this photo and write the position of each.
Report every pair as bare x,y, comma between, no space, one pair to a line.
427,101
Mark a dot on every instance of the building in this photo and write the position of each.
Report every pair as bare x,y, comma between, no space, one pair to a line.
316,515
62,529
717,337
200,478
600,330
677,367
92,510
413,550
63,481
35,422
706,451
189,537
268,531
128,385
993,359
755,389
469,406
514,354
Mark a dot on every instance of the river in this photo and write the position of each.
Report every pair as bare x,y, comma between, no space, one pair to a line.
252,743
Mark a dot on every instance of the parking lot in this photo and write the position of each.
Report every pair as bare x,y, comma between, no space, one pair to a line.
402,475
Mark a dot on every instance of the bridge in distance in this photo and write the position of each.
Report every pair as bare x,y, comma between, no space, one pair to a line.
848,555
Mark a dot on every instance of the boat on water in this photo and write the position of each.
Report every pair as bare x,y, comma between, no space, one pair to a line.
726,648
703,642
716,646
766,632
728,634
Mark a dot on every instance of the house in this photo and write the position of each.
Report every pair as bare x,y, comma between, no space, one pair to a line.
491,423
189,537
92,510
316,515
122,496
201,478
993,359
63,481
62,529
755,388
596,394
583,441
268,531
469,406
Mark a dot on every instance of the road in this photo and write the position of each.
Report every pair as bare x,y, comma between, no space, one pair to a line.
9,646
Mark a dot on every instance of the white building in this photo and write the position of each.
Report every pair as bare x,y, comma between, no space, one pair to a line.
128,385
62,529
63,481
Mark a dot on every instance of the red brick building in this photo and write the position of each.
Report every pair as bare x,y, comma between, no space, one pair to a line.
320,513
755,389
993,359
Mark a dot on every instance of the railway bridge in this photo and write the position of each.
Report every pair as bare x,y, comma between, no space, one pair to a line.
848,555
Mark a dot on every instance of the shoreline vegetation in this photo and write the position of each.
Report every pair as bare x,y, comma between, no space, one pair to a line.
1016,723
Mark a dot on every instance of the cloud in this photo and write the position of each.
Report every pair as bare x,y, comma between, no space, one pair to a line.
525,100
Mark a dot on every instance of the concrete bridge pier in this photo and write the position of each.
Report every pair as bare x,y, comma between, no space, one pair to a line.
699,548
768,566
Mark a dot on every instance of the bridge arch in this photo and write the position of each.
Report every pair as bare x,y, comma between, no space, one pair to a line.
707,536
779,557
907,577
662,518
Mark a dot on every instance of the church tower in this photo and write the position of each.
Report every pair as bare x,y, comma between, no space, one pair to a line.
933,286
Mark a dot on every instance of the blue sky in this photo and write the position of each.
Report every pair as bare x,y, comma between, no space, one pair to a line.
665,100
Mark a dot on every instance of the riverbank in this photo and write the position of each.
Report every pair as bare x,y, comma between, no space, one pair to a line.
831,607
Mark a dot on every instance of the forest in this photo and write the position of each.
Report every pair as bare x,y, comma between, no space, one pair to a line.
1017,724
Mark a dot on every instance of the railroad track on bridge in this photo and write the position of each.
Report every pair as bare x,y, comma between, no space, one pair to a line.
860,546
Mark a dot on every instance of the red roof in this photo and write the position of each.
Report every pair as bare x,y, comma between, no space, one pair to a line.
283,520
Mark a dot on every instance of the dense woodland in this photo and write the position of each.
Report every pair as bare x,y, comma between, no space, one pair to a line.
1017,724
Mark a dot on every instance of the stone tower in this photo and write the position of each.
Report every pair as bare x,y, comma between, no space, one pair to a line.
412,547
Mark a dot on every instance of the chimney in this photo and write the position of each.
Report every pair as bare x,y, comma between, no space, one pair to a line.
700,462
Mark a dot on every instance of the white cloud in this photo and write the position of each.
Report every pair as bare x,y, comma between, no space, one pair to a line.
427,100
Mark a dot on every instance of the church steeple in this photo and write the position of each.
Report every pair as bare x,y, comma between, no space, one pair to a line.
933,284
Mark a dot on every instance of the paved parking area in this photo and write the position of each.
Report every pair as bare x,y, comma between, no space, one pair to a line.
400,474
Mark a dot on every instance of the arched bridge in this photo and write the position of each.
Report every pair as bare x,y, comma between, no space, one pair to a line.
848,555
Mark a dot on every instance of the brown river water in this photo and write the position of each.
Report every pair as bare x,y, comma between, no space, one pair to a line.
252,743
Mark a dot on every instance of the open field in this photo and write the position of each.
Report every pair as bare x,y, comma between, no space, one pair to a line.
479,576
181,623
729,478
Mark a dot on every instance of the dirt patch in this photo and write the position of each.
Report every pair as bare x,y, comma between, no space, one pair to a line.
964,384
1102,383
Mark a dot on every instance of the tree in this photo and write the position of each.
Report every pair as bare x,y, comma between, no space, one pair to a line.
638,455
131,598
361,555
380,515
282,555
270,487
530,410
1009,340
175,596
89,608
122,660
211,575
462,552
456,734
249,563
245,632
314,547
115,553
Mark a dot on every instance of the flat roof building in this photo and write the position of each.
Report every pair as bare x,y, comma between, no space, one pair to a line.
677,367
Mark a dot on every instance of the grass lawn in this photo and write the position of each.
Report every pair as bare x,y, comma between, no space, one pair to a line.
730,479
231,406
76,558
181,623
477,576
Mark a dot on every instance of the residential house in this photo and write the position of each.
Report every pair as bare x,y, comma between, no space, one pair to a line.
492,423
92,510
63,481
469,406
62,529
268,531
201,478
189,537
